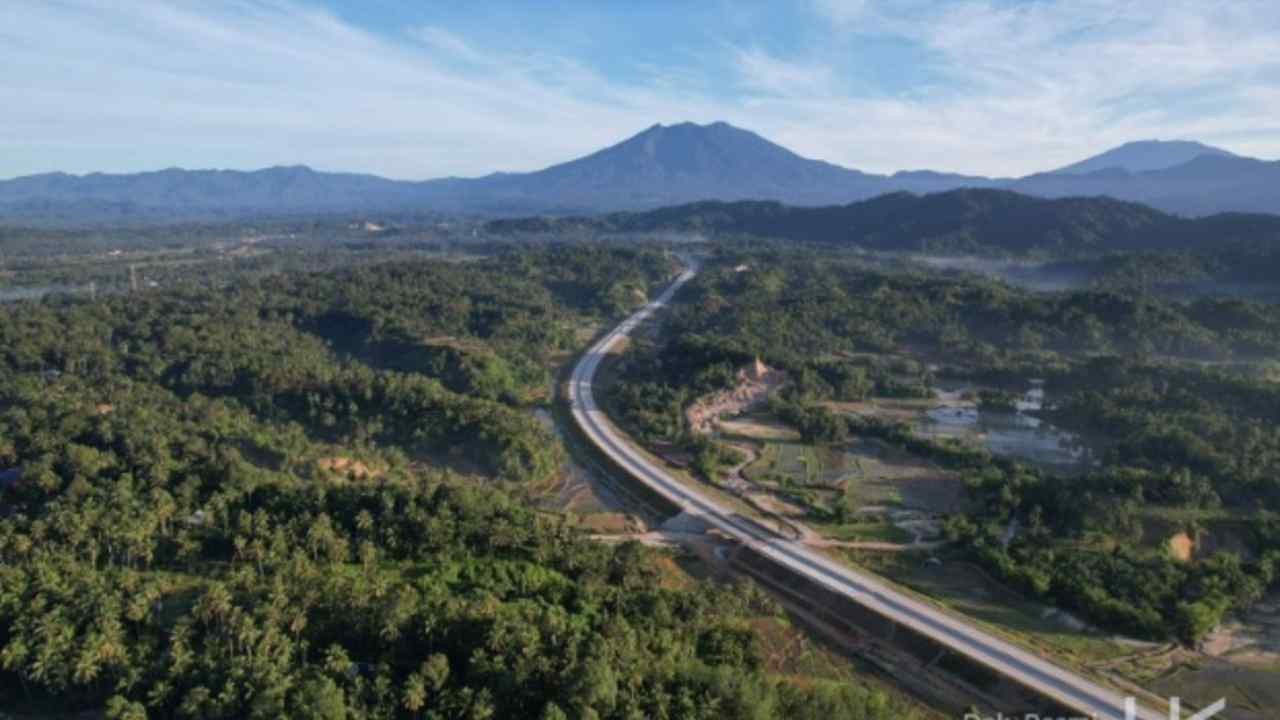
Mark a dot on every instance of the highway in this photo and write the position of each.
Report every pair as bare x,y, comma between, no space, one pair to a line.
1045,678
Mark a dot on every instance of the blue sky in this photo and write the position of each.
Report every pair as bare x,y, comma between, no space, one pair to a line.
418,88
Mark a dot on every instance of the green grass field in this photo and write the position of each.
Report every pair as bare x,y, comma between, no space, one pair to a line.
803,465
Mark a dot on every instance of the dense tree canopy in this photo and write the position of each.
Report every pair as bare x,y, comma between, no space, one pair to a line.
243,504
1185,416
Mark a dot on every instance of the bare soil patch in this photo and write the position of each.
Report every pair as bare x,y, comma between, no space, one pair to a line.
757,427
894,409
1250,640
351,468
610,523
775,505
755,382
1182,547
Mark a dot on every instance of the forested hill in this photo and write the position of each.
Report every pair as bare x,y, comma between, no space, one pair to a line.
246,502
970,220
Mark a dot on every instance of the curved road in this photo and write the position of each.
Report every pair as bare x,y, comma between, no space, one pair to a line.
1048,680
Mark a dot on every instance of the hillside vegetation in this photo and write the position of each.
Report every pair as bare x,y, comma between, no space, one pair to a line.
955,222
230,504
1195,439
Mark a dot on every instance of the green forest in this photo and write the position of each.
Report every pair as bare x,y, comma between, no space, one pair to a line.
1177,392
297,496
295,486
965,221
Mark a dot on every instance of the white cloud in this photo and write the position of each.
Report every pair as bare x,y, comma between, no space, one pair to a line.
442,40
762,72
1007,88
139,85
842,12
1025,86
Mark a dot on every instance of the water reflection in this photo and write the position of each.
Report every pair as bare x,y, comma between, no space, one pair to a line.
1014,434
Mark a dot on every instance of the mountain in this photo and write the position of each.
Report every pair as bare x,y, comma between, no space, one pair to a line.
1143,156
1203,185
662,165
673,164
198,194
958,221
665,164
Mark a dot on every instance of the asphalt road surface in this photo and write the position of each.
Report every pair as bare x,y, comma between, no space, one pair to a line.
1021,666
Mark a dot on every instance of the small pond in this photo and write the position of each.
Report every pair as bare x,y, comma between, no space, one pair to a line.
1017,434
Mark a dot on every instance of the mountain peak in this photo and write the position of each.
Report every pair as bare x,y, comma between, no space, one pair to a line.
713,156
689,124
289,170
1144,156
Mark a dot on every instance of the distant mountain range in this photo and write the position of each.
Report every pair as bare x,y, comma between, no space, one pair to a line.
953,222
663,165
1144,156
